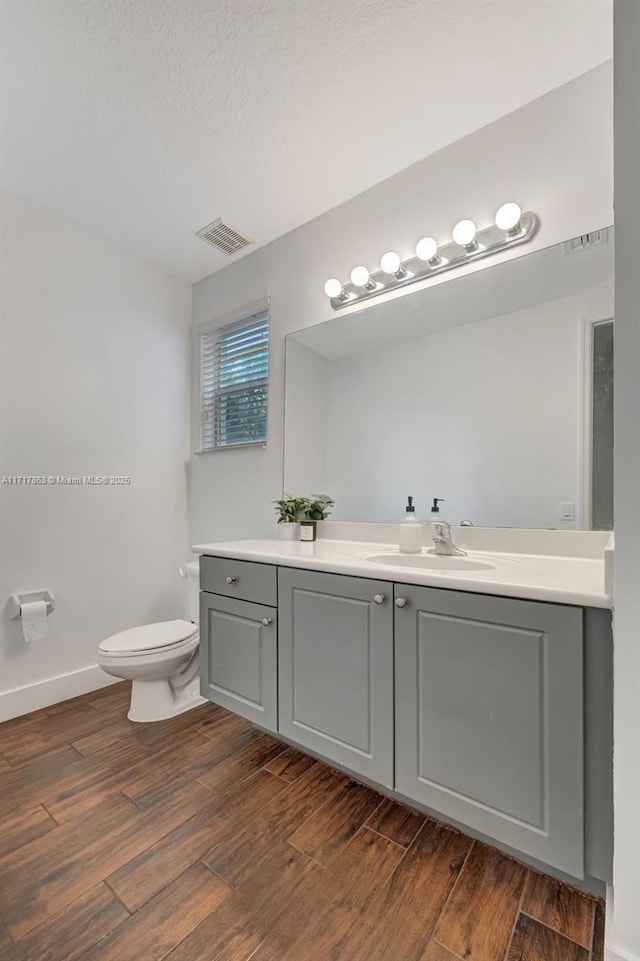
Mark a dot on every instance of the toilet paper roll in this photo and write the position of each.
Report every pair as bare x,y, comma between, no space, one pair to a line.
34,621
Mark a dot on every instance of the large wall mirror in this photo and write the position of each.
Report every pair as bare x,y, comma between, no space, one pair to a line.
493,391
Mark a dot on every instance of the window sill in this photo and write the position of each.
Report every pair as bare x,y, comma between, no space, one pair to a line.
218,450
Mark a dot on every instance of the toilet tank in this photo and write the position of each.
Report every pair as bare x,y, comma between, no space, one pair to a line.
191,573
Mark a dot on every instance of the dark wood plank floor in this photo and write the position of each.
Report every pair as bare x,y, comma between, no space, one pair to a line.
202,839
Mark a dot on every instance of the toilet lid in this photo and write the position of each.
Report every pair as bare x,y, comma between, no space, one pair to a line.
149,637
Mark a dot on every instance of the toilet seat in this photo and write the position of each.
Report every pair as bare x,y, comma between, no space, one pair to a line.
161,637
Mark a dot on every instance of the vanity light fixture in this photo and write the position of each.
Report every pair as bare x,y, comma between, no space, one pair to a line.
464,235
427,249
334,289
390,263
508,218
360,277
510,227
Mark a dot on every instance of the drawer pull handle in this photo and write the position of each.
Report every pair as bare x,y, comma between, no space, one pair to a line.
231,580
401,602
266,621
378,598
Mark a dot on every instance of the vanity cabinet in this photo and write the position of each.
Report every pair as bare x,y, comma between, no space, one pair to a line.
490,712
239,656
489,717
336,669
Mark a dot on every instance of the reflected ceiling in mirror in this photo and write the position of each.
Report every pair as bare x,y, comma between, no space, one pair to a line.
479,390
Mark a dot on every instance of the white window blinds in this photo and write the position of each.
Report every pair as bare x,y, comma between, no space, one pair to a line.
234,383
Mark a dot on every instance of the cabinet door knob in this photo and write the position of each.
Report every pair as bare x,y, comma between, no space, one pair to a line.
378,598
231,580
401,602
266,621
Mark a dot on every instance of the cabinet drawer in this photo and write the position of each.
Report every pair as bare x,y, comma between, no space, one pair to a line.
244,580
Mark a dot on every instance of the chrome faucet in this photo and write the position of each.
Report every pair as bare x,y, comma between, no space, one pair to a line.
443,542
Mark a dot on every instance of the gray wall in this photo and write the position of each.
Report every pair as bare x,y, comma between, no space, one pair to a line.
624,919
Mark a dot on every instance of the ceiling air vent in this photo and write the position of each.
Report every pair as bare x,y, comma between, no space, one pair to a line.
596,238
223,237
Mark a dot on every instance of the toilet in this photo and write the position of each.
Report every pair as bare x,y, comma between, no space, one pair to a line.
161,660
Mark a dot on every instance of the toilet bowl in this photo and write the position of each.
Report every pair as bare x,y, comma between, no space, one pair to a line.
161,660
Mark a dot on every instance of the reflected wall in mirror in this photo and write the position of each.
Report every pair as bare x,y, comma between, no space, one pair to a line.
492,391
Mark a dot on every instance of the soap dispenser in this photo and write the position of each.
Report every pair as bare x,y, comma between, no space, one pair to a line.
410,531
434,516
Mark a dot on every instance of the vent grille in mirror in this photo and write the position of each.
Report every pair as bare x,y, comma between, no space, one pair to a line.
595,238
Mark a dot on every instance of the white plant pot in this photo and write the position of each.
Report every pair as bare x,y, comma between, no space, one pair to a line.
288,532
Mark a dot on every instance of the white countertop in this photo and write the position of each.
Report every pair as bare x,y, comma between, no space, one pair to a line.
541,577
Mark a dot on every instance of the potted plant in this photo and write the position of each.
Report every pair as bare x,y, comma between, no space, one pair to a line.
316,509
290,511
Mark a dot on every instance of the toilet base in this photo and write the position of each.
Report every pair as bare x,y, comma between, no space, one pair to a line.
155,700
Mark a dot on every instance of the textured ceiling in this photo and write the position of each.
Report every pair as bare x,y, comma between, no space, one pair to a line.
143,120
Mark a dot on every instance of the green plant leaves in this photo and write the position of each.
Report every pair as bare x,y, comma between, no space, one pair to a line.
291,510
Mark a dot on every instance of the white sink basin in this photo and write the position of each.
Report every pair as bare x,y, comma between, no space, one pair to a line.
431,562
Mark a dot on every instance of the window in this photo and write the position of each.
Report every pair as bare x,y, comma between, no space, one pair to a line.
234,383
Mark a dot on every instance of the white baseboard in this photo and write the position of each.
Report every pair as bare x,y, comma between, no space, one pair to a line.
32,697
614,956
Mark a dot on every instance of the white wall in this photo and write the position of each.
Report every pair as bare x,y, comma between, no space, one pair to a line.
624,909
307,421
553,156
93,381
488,416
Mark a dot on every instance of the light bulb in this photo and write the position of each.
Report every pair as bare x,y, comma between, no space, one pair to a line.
464,233
508,216
427,248
390,262
333,288
360,276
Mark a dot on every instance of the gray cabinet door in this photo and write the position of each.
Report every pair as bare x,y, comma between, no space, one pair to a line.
238,657
489,717
336,669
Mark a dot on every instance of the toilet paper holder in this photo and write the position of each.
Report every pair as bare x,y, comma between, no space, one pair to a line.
26,597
